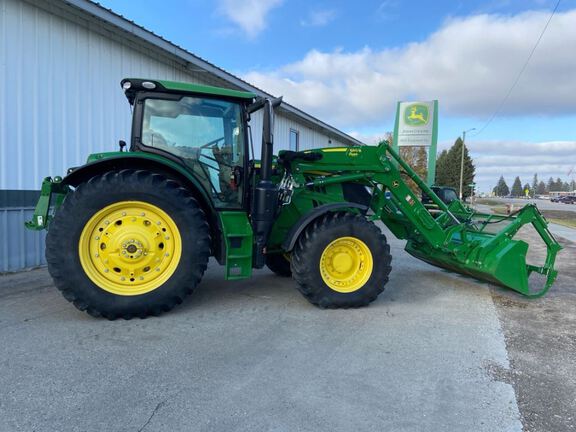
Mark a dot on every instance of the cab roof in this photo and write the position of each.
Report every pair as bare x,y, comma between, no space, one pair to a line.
139,84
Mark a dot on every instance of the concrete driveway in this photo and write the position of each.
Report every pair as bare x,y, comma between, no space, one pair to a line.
429,355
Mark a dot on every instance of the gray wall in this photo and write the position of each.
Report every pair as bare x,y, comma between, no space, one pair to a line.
60,99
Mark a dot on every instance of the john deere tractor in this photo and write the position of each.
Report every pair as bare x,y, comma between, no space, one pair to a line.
131,231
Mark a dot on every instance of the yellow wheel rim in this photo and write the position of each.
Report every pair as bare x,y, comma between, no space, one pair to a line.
346,264
130,248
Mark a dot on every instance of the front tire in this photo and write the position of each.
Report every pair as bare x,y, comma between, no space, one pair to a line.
128,244
341,261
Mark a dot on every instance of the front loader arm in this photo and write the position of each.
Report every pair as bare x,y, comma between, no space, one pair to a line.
456,239
453,237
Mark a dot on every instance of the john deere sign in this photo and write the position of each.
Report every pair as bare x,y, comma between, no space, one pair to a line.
417,125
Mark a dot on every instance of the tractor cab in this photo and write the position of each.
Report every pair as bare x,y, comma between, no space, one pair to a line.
203,128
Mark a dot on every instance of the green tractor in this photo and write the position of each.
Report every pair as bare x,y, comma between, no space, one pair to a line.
130,232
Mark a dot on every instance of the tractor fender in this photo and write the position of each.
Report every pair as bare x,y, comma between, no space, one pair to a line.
156,164
142,161
302,223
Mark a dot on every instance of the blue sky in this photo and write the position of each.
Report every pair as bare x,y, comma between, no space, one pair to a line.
349,62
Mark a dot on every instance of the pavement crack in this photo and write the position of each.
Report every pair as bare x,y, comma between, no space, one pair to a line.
158,406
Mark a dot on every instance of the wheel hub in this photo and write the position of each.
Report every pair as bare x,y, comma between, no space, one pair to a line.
346,264
130,248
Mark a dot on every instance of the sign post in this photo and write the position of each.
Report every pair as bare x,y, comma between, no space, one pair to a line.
417,125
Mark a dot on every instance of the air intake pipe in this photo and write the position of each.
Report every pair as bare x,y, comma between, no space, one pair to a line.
265,199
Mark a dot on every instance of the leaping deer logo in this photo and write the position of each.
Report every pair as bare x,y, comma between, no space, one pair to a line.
416,115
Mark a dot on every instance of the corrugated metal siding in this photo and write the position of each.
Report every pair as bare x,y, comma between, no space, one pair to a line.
19,248
60,100
60,93
308,138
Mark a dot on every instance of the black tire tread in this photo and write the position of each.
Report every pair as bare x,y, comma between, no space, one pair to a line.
304,266
59,262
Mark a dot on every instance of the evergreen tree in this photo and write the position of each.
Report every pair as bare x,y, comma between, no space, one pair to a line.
573,186
541,189
559,184
550,186
441,168
517,188
501,188
448,168
534,185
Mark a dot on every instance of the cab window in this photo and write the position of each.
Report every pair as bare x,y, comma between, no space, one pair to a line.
206,134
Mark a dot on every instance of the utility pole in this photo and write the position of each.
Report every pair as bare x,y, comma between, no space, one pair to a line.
462,162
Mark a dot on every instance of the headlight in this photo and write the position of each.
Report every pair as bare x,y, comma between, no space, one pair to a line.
126,85
148,85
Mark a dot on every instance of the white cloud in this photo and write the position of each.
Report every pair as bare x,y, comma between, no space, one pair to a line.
509,158
523,159
369,138
388,10
249,15
468,64
319,18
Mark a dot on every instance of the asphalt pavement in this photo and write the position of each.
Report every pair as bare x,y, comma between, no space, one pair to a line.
433,353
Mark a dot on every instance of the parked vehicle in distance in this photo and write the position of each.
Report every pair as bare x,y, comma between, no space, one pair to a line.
571,199
445,193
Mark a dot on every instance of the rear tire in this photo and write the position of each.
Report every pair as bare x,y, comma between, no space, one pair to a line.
153,252
279,264
341,261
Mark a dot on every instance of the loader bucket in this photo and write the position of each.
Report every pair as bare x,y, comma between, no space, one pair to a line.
494,256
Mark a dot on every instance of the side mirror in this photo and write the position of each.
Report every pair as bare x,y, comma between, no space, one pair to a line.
122,145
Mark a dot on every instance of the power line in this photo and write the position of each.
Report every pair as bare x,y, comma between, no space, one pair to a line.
503,101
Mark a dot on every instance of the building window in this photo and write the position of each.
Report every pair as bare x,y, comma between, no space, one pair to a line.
294,143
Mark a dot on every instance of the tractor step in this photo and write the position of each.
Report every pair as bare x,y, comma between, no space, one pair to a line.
238,237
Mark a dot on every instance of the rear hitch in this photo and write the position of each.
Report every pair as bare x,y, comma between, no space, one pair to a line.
52,195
